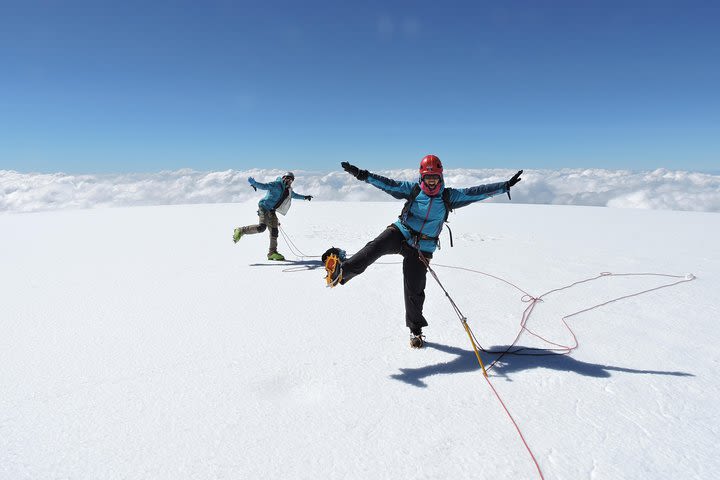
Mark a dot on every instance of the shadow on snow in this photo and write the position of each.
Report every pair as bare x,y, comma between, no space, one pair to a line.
293,264
465,361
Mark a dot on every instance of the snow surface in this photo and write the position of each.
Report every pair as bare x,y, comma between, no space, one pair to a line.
140,342
657,189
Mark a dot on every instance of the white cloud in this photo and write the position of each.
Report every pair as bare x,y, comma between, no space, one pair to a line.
658,189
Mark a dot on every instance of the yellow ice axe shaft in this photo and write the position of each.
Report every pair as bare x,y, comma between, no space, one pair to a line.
477,353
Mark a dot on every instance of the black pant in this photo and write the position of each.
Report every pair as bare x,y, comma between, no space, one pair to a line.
414,271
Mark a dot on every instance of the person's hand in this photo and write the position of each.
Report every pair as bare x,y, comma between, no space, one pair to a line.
351,169
515,179
251,181
354,171
308,197
510,183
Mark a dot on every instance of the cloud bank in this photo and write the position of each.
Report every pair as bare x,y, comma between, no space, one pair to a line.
658,189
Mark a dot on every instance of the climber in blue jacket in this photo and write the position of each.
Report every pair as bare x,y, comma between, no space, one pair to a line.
277,199
414,235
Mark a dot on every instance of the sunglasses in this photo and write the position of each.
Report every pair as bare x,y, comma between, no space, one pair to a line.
431,177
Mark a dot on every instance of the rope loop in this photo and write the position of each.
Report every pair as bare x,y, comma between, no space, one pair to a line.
527,298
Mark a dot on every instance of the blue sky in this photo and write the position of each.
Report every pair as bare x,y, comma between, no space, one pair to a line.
99,86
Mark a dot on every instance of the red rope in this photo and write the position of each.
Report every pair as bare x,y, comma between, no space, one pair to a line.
522,437
567,349
497,395
561,349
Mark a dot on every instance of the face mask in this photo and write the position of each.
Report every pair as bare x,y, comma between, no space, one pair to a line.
427,188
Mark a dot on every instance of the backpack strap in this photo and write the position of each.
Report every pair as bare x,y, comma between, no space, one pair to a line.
406,208
446,201
448,209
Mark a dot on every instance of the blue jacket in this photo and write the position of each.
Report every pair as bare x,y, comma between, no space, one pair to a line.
277,192
422,223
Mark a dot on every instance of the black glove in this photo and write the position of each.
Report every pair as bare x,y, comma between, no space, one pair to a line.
511,183
308,197
354,171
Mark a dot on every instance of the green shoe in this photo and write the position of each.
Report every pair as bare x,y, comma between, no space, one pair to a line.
276,256
237,233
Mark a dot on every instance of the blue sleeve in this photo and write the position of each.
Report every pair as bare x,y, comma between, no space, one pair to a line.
298,196
399,190
460,197
261,186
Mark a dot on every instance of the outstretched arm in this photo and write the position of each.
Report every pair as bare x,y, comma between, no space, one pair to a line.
301,197
255,184
461,197
399,190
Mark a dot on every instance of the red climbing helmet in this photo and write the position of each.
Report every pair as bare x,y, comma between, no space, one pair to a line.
430,164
